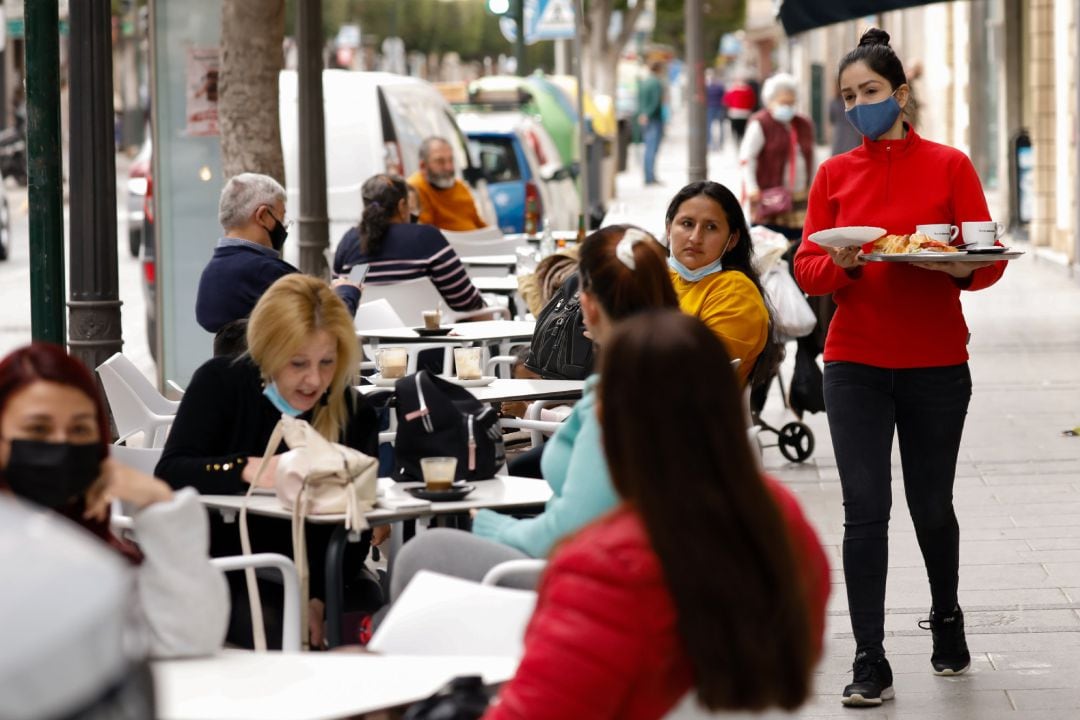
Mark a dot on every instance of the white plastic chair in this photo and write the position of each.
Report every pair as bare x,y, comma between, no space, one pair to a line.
290,626
502,246
490,233
526,569
134,409
142,459
410,298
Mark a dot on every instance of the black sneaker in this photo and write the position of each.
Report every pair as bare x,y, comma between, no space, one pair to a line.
871,682
951,656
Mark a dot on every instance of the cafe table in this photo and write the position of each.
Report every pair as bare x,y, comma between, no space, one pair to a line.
503,492
509,260
512,390
244,685
483,332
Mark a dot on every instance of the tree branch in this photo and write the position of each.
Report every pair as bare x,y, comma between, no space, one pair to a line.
629,21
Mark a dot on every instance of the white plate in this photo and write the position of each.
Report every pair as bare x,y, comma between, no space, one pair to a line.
843,237
379,381
479,382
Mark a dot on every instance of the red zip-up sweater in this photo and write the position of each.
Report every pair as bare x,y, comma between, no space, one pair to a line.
893,315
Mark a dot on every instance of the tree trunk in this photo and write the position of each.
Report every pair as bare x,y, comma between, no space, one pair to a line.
252,32
602,57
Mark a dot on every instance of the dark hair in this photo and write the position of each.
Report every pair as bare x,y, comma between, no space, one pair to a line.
874,50
381,195
720,535
620,290
738,257
42,361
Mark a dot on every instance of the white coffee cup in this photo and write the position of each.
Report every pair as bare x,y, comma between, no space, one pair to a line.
942,232
982,234
467,363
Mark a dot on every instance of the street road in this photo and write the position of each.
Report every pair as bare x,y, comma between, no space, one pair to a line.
15,281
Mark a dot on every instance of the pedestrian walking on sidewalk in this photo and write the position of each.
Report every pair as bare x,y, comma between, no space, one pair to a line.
739,99
651,117
896,354
715,111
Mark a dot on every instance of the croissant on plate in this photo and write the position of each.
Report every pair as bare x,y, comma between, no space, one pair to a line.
916,242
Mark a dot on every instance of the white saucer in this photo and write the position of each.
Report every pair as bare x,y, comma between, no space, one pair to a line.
844,237
379,381
479,382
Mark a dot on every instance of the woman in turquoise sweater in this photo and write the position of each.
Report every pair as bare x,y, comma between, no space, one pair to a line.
623,271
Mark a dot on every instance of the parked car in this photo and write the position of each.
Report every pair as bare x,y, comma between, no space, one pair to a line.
136,194
521,164
375,123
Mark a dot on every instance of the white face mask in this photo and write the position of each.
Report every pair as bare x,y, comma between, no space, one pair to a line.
783,113
689,275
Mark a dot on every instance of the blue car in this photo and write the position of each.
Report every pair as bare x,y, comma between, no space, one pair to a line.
521,165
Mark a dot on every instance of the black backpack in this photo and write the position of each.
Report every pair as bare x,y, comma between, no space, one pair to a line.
436,418
560,350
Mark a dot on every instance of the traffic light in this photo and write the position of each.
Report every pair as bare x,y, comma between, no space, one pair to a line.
503,7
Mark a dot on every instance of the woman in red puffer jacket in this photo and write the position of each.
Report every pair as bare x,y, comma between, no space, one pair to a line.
707,577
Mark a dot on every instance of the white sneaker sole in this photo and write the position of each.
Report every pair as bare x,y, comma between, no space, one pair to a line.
857,700
949,672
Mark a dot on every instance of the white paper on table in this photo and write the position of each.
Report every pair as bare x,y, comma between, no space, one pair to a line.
389,497
443,615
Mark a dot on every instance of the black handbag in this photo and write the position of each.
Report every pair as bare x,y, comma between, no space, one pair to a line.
463,698
436,418
560,350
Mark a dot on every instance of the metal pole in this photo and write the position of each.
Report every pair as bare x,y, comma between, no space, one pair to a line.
314,225
518,7
579,54
94,304
45,190
698,165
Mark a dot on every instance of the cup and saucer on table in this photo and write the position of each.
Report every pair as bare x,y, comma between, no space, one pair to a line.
467,362
439,484
432,326
392,363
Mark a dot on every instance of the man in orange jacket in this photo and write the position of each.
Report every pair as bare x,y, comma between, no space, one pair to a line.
445,200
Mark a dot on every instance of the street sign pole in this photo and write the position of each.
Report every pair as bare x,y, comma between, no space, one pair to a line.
518,7
314,225
45,192
579,54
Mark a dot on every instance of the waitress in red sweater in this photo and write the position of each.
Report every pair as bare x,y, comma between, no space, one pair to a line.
705,578
895,355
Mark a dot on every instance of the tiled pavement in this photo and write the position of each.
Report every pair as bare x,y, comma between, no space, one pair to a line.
1017,499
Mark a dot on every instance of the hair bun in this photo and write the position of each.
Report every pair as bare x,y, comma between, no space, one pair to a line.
874,36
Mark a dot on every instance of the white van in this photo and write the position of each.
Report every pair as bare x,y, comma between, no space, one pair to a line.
375,123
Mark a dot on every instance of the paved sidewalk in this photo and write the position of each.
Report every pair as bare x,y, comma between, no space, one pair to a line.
1017,499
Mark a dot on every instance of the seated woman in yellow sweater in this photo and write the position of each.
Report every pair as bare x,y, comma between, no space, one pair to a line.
714,278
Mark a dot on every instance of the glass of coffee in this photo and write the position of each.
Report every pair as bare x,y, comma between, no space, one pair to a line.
467,363
392,362
438,472
432,319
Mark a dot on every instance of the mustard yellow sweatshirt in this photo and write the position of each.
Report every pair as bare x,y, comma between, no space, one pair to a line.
729,304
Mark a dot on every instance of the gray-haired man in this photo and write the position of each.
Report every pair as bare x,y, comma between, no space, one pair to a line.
247,260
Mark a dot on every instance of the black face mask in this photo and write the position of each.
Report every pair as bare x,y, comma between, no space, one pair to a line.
52,474
277,235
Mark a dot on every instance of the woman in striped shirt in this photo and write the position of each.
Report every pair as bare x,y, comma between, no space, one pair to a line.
399,250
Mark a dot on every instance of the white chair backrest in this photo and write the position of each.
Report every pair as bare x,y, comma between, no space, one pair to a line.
290,626
142,459
489,233
376,314
409,299
515,573
502,246
155,401
130,411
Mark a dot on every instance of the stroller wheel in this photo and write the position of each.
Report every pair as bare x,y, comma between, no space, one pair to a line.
796,441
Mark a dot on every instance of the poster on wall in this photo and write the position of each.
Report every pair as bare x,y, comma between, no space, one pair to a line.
202,91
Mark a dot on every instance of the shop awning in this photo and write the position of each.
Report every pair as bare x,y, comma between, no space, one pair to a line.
801,15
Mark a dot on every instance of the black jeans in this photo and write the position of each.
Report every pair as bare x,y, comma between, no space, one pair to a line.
927,406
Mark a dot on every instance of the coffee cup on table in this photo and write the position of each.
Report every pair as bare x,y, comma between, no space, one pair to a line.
941,232
432,319
983,233
467,363
392,362
438,472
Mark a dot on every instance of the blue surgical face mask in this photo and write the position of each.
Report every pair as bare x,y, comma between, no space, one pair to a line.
783,113
274,396
694,275
875,119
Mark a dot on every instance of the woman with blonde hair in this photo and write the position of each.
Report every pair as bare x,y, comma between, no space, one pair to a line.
301,360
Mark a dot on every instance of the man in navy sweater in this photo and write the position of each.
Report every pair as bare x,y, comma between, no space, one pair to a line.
247,260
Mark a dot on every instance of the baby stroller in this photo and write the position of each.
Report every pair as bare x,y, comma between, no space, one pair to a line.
792,318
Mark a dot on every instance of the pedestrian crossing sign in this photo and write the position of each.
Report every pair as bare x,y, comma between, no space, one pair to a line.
554,20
